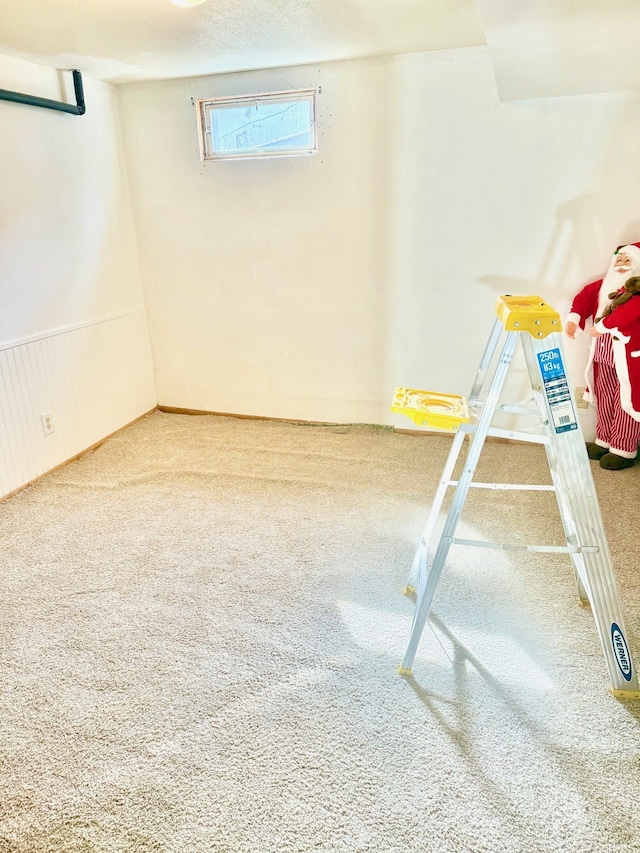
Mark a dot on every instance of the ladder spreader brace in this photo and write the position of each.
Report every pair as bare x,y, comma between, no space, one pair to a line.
527,320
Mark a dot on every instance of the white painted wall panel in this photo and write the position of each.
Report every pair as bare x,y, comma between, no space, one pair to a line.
92,379
74,337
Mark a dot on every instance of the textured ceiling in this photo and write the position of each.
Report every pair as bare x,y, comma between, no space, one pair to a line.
539,48
127,40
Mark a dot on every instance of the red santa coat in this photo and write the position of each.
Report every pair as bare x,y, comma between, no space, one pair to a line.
623,324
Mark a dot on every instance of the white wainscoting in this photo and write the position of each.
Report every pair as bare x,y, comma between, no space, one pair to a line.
93,379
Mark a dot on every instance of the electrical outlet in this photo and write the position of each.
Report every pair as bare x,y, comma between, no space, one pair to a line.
47,423
581,403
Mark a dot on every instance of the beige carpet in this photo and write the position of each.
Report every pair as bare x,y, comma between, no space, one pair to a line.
201,624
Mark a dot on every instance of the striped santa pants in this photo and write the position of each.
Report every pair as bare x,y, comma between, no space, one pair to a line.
615,428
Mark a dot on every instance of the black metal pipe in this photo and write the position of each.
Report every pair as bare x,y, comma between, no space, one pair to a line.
46,103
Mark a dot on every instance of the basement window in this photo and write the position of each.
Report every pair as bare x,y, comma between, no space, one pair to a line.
273,124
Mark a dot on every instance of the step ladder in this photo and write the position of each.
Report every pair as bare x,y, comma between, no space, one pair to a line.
530,322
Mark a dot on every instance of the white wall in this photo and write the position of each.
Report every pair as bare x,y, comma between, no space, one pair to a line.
308,288
529,198
265,280
74,338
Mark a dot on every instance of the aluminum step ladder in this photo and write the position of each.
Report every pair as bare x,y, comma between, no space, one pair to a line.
530,322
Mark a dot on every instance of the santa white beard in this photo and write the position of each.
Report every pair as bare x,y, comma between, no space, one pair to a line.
613,281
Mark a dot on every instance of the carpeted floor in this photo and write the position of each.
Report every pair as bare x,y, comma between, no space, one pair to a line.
201,624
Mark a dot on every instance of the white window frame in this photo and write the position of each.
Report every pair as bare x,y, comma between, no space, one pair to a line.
204,107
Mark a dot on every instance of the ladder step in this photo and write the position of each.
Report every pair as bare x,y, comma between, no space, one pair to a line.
546,549
430,409
519,487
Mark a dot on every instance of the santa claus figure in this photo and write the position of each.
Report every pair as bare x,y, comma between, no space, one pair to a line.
612,374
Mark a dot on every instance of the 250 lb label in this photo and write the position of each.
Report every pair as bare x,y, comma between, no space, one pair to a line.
556,388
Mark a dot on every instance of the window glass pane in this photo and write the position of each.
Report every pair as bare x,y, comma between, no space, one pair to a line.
262,126
267,125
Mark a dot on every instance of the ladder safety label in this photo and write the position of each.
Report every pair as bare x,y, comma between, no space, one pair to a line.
557,391
621,651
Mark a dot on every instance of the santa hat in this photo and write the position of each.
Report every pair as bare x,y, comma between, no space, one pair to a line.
631,249
625,246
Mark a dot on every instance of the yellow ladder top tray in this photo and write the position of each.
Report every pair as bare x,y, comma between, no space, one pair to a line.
429,409
527,314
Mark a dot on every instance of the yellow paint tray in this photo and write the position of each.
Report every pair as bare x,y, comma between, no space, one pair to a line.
429,409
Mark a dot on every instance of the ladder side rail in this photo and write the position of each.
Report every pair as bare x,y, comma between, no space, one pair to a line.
567,517
530,347
485,363
582,520
600,581
423,605
568,512
418,566
573,500
595,571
